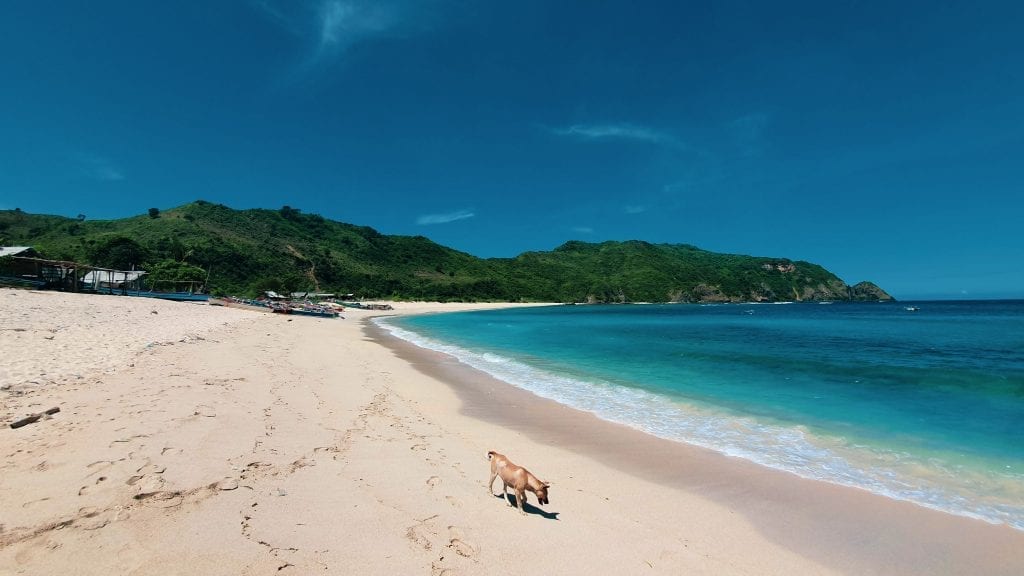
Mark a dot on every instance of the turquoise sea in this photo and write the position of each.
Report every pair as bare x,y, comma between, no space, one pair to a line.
923,405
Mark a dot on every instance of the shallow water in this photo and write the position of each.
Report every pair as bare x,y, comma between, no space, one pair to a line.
925,405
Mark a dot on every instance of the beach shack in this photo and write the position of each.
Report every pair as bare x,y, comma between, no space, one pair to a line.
22,251
23,266
113,281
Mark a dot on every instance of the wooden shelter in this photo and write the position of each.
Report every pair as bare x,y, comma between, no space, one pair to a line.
23,266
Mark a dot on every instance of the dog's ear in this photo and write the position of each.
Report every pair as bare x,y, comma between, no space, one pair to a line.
546,484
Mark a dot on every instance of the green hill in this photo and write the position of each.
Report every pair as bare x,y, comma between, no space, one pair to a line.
248,251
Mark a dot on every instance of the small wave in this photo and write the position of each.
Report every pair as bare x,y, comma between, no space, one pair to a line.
792,449
494,358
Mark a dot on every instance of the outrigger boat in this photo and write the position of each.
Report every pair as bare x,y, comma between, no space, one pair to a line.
129,283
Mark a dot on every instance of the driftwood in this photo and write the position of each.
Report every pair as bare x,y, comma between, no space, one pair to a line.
33,417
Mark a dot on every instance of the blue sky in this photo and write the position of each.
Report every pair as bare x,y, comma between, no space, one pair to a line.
883,140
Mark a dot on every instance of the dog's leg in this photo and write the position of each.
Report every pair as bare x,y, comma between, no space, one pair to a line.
520,498
490,483
504,492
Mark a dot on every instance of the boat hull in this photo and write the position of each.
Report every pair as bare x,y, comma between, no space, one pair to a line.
176,296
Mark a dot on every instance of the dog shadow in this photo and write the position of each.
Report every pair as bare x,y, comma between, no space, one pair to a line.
527,507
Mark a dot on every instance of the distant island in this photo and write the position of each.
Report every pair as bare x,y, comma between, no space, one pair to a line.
246,252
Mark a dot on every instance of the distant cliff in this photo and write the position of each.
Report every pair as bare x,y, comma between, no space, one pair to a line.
247,251
869,292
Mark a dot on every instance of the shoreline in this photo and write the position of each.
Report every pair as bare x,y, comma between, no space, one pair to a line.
264,445
847,528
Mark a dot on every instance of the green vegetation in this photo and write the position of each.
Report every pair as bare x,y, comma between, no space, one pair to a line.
248,251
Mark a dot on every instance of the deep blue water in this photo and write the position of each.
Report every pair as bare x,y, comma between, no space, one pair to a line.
924,405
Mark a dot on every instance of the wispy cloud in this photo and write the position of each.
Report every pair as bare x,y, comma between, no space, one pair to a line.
428,219
583,229
635,209
330,27
343,23
619,131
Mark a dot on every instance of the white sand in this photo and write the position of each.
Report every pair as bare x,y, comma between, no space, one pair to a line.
248,443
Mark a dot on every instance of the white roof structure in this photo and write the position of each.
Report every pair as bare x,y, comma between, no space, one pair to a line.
13,250
112,276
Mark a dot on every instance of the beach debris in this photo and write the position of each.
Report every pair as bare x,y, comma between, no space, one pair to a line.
34,417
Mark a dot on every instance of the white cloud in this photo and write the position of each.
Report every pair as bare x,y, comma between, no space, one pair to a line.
329,28
428,219
342,23
620,131
635,209
583,229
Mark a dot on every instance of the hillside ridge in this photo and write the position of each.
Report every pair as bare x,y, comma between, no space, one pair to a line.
248,251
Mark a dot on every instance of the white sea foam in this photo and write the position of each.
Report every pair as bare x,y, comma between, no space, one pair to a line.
792,449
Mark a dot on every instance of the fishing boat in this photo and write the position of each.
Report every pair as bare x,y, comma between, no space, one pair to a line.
176,296
279,308
182,296
317,312
130,283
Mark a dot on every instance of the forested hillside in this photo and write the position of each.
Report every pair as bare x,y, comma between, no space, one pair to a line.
244,252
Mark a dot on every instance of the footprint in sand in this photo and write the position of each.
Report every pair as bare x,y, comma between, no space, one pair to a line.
433,481
31,502
436,570
170,450
160,499
458,543
29,550
151,469
226,484
93,518
127,439
462,548
414,534
150,483
418,447
99,465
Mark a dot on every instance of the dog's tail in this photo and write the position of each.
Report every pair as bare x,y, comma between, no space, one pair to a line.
491,454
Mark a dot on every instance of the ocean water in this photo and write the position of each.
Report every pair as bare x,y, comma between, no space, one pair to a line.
925,405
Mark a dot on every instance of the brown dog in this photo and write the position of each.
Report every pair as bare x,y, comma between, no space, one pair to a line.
518,478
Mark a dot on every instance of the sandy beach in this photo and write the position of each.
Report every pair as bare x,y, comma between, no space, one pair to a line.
194,439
